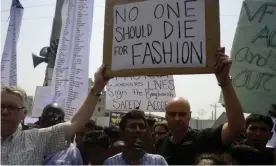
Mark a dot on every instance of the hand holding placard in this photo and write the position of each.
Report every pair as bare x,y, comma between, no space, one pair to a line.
222,67
100,79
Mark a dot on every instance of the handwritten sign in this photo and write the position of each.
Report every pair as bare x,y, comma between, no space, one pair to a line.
69,83
41,99
161,37
9,56
149,94
254,56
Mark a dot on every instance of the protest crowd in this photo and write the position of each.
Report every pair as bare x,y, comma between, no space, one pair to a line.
138,139
80,142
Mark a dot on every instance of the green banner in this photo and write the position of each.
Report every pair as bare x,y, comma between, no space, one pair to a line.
254,56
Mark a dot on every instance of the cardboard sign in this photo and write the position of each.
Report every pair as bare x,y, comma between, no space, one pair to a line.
254,56
149,94
160,37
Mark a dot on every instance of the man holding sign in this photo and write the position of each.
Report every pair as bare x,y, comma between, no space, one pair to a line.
183,144
30,146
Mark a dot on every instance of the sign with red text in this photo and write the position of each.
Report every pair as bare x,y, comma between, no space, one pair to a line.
149,94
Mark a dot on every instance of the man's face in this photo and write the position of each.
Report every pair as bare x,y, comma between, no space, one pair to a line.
51,117
135,128
80,135
258,134
12,112
178,116
159,131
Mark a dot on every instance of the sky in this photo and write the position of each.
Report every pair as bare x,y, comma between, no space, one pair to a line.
202,91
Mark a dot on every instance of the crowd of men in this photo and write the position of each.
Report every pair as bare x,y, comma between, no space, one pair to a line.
138,140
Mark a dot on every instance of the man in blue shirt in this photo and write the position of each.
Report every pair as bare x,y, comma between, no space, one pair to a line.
53,114
133,131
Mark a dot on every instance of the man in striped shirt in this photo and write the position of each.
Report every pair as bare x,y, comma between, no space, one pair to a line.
133,130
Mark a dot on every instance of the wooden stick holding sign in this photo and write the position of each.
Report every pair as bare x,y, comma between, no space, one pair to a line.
160,37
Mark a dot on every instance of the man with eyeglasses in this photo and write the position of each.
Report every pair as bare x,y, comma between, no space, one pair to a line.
182,145
28,147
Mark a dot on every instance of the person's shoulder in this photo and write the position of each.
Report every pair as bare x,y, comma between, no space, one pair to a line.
112,158
155,156
115,156
72,149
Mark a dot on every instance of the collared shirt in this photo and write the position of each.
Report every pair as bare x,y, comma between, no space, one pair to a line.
145,159
69,156
29,146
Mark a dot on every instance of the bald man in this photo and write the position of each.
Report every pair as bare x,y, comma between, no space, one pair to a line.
182,144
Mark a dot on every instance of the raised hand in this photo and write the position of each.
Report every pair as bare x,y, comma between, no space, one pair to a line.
100,80
222,66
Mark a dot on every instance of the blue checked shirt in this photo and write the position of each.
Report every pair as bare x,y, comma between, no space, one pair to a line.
146,159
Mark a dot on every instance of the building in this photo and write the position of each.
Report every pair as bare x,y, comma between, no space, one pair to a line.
100,110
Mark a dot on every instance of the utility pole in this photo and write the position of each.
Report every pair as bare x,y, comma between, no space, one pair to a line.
215,110
56,28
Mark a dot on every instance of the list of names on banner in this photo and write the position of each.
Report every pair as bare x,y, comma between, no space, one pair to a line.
9,56
70,79
149,94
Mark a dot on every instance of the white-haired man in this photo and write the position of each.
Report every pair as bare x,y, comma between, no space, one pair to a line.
28,147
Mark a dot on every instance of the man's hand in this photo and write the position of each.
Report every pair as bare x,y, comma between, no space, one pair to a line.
222,66
100,80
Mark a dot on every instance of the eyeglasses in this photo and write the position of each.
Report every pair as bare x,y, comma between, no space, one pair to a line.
10,108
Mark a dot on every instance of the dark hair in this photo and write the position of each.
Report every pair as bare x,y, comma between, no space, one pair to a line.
259,118
94,139
113,133
98,128
150,121
244,154
90,124
216,158
134,114
163,124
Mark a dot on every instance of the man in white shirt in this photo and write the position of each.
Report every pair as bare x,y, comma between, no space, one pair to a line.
29,146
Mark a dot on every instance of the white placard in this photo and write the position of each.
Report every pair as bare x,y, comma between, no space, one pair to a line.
41,99
150,94
9,56
159,33
70,75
